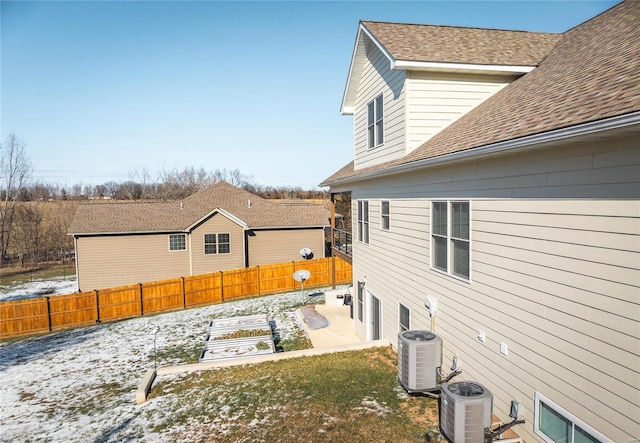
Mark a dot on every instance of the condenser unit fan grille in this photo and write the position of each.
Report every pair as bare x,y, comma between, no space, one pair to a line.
466,389
419,335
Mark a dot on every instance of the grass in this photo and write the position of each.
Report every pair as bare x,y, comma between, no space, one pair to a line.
347,396
11,277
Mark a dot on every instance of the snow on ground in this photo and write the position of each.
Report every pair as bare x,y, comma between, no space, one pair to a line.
79,385
39,288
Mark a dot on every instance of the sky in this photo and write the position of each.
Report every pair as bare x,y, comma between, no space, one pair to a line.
102,90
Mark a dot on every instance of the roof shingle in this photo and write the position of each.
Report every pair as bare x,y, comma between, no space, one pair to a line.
448,44
103,218
592,73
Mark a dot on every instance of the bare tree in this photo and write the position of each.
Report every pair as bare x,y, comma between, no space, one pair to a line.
15,172
27,233
59,244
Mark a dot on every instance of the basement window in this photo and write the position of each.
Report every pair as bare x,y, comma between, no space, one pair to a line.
404,318
361,301
555,425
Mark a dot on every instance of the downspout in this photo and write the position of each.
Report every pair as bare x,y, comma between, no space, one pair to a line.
75,245
246,248
190,255
332,227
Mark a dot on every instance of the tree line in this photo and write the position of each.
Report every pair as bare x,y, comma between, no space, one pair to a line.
35,215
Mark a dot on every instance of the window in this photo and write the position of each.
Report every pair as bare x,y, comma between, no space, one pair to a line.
224,245
450,238
210,244
363,221
177,242
217,244
384,215
360,301
404,321
555,425
375,125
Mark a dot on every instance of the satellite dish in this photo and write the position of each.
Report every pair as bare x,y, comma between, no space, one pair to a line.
306,253
301,276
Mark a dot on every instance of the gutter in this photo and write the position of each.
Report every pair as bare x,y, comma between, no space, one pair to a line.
590,128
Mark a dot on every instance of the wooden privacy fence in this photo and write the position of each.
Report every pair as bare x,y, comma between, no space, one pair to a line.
45,314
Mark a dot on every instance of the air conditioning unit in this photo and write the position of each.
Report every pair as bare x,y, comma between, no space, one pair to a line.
465,411
419,357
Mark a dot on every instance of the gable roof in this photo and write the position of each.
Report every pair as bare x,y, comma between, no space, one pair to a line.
425,47
182,216
591,79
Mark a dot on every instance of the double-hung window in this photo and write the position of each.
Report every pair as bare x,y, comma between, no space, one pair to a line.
375,122
217,244
555,425
384,215
363,221
177,242
450,235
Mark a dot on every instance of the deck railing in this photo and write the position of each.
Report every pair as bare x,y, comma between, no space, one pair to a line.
342,241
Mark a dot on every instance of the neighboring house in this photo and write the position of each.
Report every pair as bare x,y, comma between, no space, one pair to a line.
219,228
498,172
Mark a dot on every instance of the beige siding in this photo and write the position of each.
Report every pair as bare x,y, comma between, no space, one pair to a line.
206,263
276,246
378,78
555,262
108,261
435,100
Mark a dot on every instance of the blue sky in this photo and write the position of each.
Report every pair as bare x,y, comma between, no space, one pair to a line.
99,90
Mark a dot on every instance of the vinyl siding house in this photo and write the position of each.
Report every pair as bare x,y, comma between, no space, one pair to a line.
219,228
498,174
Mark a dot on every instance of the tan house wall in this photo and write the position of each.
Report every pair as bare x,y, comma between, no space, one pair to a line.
276,246
555,259
118,260
205,263
435,100
377,78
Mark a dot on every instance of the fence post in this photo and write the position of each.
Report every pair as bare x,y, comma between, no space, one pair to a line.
184,295
333,271
48,314
141,300
293,270
258,278
221,286
97,306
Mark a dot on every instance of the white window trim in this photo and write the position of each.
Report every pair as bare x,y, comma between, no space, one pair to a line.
217,234
388,216
376,143
400,306
360,301
449,237
538,397
177,250
361,203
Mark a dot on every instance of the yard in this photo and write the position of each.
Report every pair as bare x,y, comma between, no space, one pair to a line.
79,386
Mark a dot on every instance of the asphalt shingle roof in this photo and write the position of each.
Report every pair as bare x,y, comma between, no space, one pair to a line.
448,44
103,218
592,73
